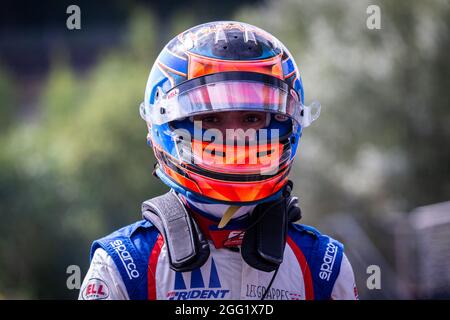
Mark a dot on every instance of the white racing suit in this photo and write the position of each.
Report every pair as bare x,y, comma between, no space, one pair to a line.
133,263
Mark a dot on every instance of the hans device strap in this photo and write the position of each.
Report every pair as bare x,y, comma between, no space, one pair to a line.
263,243
187,247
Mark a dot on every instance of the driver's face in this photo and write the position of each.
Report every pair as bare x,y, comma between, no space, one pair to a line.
233,120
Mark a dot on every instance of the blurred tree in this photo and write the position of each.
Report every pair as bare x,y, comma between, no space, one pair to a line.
80,170
8,101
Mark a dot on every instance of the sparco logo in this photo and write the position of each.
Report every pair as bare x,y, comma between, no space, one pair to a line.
125,257
328,261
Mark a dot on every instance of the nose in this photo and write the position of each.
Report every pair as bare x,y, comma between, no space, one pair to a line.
231,121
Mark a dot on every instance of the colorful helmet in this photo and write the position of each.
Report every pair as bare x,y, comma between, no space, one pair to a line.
220,67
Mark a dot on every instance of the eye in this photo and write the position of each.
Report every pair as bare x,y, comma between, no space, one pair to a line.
252,118
210,119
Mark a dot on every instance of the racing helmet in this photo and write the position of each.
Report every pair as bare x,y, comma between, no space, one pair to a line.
225,66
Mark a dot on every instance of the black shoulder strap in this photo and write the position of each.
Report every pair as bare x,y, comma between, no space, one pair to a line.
187,247
264,241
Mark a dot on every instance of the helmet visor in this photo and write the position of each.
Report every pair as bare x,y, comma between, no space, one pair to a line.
231,91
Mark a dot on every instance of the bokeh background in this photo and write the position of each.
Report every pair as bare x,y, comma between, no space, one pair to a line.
374,171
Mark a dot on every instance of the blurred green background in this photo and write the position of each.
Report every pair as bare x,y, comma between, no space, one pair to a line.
74,164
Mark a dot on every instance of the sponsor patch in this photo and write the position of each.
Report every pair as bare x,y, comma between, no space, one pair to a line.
173,93
328,261
281,117
95,289
257,291
126,258
234,238
198,288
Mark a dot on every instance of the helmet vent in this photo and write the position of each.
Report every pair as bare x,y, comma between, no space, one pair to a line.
237,47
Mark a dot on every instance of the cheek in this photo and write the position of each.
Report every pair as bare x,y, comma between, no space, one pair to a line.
256,125
208,125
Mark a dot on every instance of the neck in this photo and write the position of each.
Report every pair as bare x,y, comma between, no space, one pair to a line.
208,217
215,212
